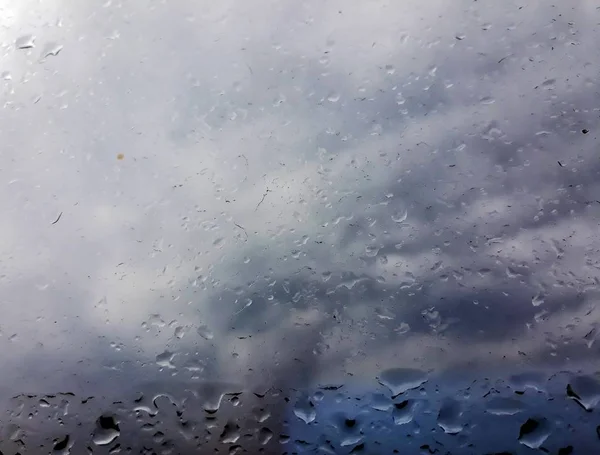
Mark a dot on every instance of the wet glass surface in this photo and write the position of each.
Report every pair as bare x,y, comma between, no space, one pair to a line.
299,227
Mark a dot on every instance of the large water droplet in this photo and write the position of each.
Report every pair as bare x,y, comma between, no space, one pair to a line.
381,402
400,217
358,449
156,320
165,359
107,430
404,412
61,446
213,400
537,300
205,332
449,416
231,433
534,432
179,332
527,380
304,409
261,414
585,390
25,42
348,427
333,97
265,435
502,406
51,49
399,380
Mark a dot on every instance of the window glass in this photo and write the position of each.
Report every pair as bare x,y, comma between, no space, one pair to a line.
299,226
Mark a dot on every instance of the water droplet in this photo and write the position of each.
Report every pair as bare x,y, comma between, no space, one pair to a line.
51,49
318,395
534,432
165,360
371,251
590,338
230,433
333,97
156,320
62,445
585,391
549,84
107,430
381,402
304,409
449,416
158,437
6,75
248,303
179,332
213,402
358,449
404,412
537,300
349,427
502,406
351,440
205,332
25,42
265,435
527,380
279,100
261,414
399,380
194,365
400,217
402,328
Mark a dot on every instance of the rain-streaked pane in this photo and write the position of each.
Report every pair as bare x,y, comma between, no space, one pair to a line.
299,227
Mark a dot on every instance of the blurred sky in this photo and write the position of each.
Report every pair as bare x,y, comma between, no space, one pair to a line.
279,192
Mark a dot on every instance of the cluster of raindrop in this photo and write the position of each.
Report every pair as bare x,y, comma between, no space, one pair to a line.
408,412
184,417
416,414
